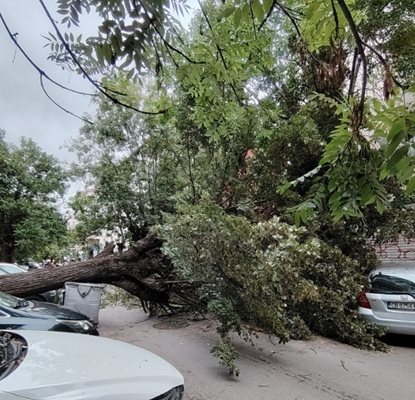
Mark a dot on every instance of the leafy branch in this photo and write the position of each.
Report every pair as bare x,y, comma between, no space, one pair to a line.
85,73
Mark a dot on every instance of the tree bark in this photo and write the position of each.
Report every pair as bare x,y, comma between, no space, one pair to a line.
140,270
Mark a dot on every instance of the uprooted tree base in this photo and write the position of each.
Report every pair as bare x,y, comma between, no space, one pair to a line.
142,270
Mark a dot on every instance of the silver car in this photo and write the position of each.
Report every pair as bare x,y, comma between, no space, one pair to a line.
390,299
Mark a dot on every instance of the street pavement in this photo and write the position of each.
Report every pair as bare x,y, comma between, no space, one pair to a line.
320,369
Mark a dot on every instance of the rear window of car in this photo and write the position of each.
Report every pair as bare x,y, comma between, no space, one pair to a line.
381,283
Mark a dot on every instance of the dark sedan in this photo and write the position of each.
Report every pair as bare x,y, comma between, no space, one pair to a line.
16,313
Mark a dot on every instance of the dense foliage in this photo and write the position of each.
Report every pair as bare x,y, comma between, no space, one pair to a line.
269,276
271,116
30,183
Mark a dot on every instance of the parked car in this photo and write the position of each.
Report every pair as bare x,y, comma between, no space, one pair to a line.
7,268
53,296
390,299
55,365
31,264
16,313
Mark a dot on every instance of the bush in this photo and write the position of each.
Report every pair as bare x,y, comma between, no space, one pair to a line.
268,276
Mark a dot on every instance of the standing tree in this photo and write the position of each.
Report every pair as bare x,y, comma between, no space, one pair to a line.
30,183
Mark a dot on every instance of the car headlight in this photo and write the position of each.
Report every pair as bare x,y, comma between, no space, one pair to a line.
82,324
173,394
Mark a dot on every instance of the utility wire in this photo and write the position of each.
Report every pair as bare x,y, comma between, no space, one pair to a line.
85,73
35,66
43,75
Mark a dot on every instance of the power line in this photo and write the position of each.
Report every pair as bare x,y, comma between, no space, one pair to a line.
85,73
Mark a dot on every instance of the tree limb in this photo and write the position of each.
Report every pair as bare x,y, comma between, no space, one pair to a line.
384,63
274,2
58,105
220,53
85,73
166,43
35,66
361,52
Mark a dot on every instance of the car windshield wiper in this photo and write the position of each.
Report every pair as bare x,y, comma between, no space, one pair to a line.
21,303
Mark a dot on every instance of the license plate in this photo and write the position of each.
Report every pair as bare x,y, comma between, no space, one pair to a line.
401,306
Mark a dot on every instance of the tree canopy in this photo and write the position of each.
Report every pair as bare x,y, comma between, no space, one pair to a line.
207,174
30,183
344,53
276,139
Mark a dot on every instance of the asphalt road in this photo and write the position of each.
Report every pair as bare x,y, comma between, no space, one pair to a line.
315,370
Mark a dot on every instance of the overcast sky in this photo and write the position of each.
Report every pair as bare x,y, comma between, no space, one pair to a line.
24,109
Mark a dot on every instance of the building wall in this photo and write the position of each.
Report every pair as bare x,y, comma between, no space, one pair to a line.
402,250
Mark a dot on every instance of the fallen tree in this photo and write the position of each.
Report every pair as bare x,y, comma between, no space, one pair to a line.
142,270
268,276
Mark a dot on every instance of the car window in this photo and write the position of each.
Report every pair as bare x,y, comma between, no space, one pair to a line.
10,269
8,300
381,283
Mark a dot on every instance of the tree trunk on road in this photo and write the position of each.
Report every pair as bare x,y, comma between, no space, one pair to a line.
141,270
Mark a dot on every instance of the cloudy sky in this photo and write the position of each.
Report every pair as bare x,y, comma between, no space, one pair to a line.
24,109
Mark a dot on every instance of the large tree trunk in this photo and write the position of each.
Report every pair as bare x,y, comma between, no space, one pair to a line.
141,270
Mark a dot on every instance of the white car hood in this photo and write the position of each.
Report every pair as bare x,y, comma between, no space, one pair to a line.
73,366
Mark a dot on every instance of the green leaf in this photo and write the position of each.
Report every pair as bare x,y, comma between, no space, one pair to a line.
410,187
380,207
107,53
246,13
100,54
267,5
368,197
397,127
258,10
401,169
297,218
228,11
384,173
377,105
394,143
283,188
397,157
237,15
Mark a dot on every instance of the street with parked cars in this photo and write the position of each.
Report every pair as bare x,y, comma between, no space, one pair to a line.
16,313
39,340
